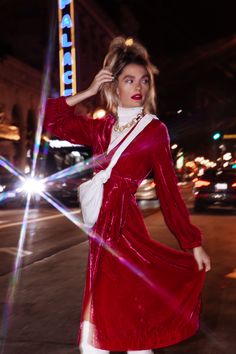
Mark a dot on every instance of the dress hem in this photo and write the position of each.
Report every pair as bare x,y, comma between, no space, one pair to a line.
150,343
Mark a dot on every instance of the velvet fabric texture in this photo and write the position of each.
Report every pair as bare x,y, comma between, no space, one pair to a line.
142,294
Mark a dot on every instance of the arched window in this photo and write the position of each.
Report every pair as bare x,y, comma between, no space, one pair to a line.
17,117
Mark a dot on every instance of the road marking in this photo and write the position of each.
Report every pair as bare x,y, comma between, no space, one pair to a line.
14,251
39,219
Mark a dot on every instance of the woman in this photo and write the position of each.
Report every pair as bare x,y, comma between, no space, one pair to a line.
139,294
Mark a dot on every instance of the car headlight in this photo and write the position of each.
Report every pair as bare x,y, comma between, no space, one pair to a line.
2,187
32,186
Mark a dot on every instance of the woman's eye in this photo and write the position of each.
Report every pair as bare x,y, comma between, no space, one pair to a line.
146,81
130,81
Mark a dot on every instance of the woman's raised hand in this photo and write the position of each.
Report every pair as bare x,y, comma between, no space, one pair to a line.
102,76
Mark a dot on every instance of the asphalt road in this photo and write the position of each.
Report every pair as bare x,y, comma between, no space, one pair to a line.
44,302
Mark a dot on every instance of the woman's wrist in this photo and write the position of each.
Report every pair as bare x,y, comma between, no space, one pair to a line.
196,247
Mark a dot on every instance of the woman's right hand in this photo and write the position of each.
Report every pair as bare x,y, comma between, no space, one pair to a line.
102,76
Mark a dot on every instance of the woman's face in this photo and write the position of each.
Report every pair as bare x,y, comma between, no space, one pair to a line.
133,86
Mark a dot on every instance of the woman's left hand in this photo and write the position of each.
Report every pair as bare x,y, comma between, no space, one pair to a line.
202,258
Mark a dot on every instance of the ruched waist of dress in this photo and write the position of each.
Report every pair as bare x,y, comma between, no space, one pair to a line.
124,183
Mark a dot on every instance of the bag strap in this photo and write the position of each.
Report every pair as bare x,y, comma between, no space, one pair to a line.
139,127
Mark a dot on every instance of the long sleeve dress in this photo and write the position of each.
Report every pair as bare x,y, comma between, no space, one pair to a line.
142,294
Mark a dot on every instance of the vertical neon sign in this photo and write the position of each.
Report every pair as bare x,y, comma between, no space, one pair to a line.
67,57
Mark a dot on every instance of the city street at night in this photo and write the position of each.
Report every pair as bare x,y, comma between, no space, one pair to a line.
117,122
47,299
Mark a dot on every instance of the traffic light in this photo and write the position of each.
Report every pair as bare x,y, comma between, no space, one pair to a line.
216,136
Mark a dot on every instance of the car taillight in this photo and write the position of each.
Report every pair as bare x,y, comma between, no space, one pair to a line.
201,183
234,184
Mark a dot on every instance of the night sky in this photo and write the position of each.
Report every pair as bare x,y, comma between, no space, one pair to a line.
176,33
167,28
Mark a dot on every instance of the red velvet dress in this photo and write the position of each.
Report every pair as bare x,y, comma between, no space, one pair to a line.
144,294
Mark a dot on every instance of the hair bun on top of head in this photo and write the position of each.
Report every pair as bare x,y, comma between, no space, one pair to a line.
128,44
120,48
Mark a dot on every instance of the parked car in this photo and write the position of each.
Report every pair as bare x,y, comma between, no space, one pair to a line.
65,188
216,187
8,186
63,161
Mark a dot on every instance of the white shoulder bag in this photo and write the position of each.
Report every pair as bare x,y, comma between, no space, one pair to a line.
91,192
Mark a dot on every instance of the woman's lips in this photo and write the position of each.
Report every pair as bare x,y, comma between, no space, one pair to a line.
137,97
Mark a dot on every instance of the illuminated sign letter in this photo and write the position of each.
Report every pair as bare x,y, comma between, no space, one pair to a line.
66,21
67,60
65,43
68,92
63,3
68,77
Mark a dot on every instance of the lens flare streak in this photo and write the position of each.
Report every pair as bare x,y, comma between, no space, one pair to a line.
44,94
15,277
81,166
12,169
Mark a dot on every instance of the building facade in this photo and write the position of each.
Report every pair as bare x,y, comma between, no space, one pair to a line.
20,89
21,84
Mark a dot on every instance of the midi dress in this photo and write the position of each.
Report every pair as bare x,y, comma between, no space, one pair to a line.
142,294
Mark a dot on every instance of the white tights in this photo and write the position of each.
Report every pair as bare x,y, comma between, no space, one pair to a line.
86,348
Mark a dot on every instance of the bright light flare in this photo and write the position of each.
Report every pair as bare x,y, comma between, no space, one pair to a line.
32,186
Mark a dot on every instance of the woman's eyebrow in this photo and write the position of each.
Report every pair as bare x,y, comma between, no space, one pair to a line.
132,77
128,76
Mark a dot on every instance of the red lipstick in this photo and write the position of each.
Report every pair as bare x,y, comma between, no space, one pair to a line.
137,97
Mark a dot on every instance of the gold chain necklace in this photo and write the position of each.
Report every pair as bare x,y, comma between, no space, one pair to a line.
121,128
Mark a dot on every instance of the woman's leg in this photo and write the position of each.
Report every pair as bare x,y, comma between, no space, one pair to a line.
85,347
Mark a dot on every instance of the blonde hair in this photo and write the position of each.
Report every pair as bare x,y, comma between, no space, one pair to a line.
121,53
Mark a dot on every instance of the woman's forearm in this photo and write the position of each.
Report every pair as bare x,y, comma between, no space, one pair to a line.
79,97
103,76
